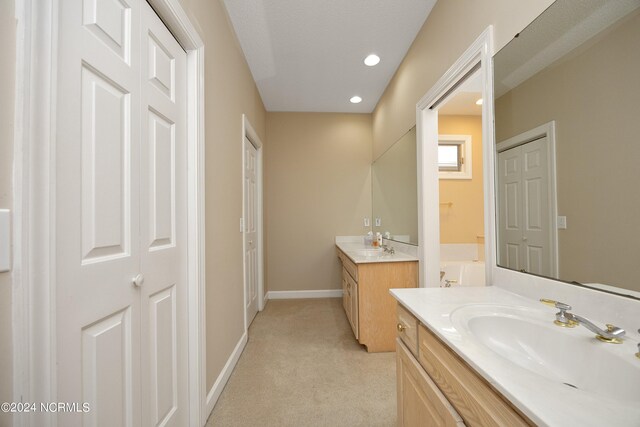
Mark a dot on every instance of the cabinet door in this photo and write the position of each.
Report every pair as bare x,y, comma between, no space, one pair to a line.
354,308
345,293
420,402
352,303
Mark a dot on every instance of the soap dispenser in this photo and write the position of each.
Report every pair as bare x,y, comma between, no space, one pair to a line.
368,239
379,239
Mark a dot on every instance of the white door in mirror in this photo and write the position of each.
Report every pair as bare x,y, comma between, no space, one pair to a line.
5,240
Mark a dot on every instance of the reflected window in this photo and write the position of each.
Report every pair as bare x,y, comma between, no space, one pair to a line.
449,157
454,156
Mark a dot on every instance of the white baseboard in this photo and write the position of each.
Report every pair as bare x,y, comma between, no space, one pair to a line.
327,293
218,386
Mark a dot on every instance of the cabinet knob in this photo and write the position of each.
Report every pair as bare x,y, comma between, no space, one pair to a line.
400,327
138,280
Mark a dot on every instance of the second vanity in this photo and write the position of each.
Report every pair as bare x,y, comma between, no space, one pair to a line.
367,276
488,356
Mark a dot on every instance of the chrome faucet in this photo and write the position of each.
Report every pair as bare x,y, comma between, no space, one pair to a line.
388,249
448,282
564,318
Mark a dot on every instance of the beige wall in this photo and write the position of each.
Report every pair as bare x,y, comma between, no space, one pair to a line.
463,222
7,73
597,149
448,31
318,185
230,92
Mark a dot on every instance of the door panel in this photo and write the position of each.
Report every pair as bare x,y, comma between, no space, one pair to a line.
110,22
97,212
106,180
164,363
533,202
162,186
106,364
510,209
535,260
163,202
251,229
537,232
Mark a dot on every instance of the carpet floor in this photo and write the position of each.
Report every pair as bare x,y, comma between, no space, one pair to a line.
303,367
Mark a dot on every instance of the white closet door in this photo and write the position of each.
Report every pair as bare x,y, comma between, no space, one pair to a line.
97,212
525,235
120,213
163,202
510,209
251,229
536,236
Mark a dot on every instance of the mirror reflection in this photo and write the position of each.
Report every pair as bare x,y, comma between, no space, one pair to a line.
394,177
567,129
461,190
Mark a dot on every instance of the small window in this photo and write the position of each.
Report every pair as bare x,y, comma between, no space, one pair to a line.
454,156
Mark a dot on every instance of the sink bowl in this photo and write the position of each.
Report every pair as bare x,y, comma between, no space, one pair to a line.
368,252
528,339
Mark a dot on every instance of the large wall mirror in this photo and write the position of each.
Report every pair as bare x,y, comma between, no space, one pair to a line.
567,126
394,177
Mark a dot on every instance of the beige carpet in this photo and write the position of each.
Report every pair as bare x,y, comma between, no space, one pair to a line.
303,367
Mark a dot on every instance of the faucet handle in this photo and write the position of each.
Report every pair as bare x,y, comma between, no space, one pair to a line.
557,304
564,319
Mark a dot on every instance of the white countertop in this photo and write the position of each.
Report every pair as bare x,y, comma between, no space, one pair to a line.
348,247
544,401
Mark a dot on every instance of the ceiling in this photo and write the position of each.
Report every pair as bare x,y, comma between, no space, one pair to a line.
307,55
463,101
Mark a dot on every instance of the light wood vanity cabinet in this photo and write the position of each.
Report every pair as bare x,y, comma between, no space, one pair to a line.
468,398
367,302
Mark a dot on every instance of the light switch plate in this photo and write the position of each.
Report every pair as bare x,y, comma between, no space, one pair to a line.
378,222
366,222
5,240
562,223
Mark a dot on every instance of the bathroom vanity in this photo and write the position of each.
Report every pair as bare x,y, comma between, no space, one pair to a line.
367,276
488,356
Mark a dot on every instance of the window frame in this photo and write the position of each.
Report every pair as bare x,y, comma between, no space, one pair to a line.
464,152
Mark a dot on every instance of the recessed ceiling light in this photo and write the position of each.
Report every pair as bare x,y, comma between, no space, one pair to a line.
355,99
372,60
479,101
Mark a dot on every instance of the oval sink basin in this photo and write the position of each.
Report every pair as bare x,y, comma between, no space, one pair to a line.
368,252
528,338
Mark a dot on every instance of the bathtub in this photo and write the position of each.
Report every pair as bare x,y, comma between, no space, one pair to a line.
462,273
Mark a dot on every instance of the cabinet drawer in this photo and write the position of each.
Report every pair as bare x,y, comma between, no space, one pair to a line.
474,399
407,329
350,266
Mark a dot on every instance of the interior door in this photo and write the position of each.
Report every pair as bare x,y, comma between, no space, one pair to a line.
251,229
525,236
115,338
163,213
536,237
510,209
97,212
